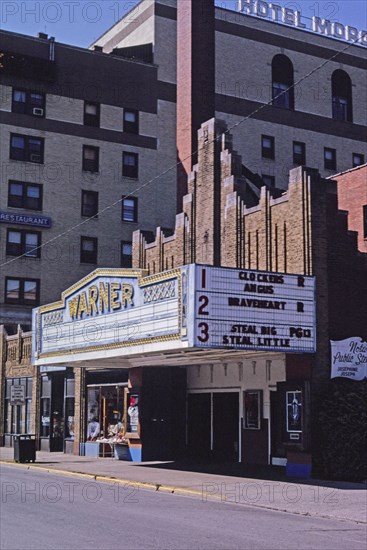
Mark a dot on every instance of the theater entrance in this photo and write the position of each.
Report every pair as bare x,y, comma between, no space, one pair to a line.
213,426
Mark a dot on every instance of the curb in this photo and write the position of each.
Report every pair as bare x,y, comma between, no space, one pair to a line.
171,489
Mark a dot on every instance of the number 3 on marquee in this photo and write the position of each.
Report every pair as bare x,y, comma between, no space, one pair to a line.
204,334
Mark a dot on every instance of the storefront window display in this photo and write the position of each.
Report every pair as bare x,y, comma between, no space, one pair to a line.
106,412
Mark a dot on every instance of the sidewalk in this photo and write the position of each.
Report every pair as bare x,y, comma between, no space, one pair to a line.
339,500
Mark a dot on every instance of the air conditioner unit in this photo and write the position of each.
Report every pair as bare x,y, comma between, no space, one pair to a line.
38,111
35,158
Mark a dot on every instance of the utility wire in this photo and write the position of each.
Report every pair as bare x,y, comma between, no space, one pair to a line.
175,166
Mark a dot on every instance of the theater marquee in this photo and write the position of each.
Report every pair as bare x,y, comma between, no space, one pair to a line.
119,313
242,309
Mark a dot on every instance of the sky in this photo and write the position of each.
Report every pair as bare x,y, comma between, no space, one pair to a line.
80,22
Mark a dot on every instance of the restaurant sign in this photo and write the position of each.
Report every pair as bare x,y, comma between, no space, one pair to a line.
349,358
119,313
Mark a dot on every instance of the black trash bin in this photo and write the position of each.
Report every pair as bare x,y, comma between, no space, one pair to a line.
24,448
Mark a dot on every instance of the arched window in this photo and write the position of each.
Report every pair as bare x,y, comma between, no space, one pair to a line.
341,86
282,79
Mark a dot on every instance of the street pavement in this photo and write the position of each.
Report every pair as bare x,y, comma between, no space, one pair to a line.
316,498
41,510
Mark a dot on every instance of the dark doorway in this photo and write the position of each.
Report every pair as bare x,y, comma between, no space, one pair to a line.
277,419
225,426
199,425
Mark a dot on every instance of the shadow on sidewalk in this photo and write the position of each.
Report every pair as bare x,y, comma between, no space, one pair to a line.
251,471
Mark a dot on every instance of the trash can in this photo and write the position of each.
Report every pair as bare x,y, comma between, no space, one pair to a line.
24,448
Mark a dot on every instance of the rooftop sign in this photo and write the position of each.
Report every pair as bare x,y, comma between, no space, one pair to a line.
120,313
295,18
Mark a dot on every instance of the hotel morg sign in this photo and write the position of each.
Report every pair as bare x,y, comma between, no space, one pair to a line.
114,312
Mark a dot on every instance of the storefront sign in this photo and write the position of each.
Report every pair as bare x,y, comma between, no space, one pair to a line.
25,219
242,309
295,18
17,395
349,358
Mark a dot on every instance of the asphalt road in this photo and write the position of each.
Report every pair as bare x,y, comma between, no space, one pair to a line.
40,510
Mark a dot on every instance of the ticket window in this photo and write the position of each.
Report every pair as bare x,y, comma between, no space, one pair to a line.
106,410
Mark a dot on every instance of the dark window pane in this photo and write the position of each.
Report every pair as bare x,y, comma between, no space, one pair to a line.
329,159
267,147
126,254
358,160
91,114
88,250
89,203
131,121
130,165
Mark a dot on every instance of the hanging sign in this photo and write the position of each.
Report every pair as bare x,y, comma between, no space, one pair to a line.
349,358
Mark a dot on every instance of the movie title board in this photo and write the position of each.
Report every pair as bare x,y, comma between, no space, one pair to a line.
253,310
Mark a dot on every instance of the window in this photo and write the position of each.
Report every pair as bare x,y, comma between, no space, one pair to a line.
91,113
130,209
130,165
126,254
365,221
28,103
27,148
299,153
90,158
25,195
358,159
89,204
18,413
131,121
22,291
342,96
267,147
282,79
252,405
268,180
45,406
20,242
329,159
88,250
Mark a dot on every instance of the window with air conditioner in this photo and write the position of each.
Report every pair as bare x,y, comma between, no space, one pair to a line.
26,148
28,102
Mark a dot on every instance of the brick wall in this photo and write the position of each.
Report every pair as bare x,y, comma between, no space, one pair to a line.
352,196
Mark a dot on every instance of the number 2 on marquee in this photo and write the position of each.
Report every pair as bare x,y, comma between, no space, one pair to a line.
204,301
